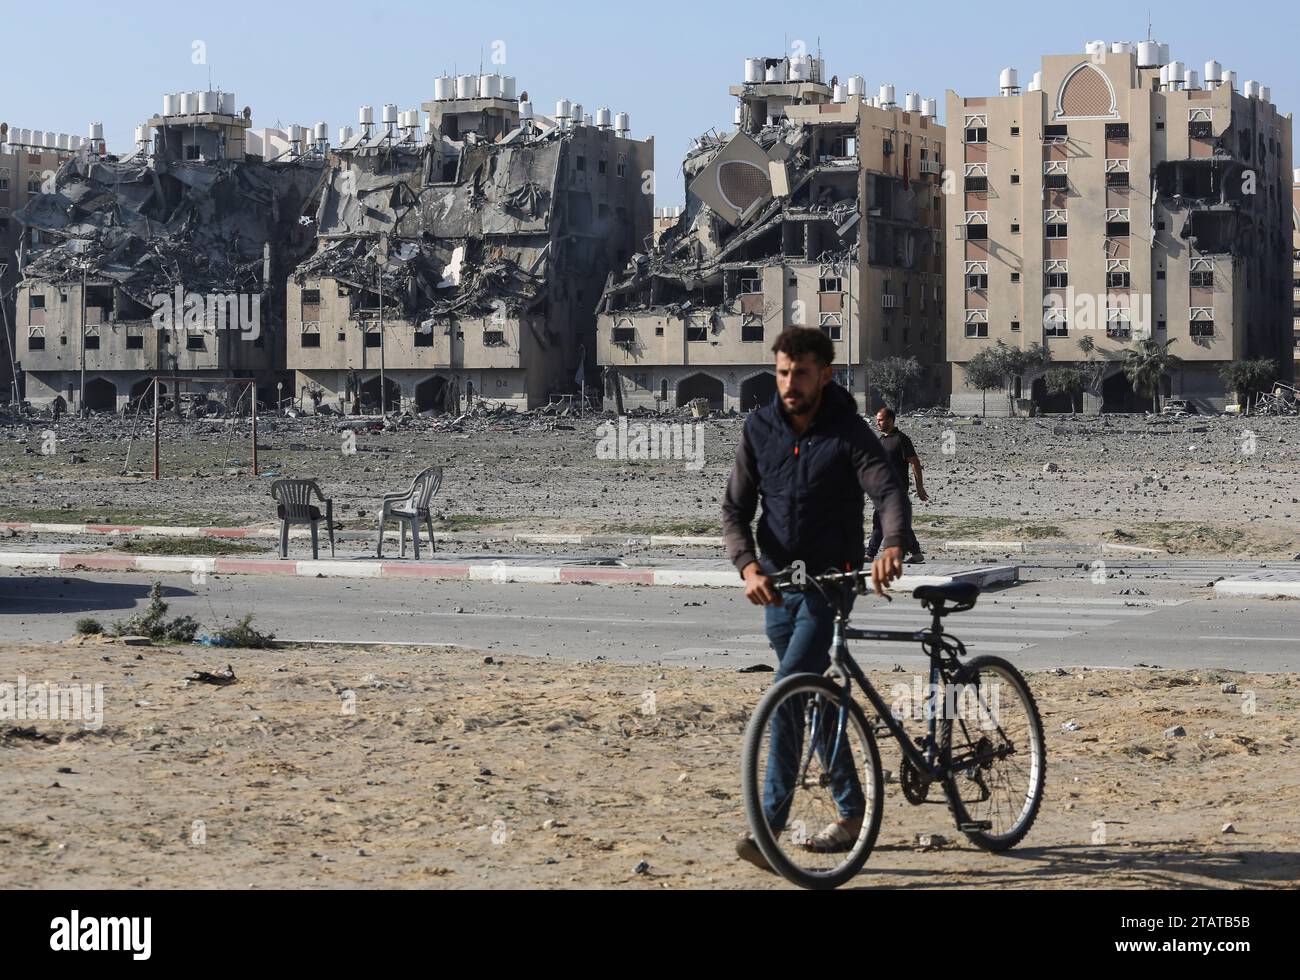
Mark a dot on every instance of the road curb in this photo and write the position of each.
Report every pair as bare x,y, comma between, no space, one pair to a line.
496,572
1258,589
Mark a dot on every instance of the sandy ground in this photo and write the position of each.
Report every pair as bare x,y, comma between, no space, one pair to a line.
1189,486
450,771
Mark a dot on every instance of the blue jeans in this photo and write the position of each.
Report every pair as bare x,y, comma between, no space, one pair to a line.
800,633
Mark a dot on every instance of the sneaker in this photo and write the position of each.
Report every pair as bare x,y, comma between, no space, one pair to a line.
915,558
747,850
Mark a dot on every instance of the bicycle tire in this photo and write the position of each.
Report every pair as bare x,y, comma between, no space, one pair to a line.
1038,760
752,790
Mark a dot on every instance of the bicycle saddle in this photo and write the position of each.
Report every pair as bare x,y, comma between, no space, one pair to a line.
961,594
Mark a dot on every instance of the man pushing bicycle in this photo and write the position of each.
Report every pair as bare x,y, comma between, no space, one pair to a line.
811,459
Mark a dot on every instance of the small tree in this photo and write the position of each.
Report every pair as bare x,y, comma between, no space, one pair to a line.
1146,363
1014,362
892,376
984,373
1067,379
1248,378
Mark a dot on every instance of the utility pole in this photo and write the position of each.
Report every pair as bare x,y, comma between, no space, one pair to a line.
81,402
383,384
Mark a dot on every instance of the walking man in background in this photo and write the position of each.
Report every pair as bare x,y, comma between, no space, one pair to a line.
901,454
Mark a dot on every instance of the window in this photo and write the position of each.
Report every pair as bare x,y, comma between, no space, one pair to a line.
977,233
1056,280
195,341
582,164
1119,329
36,342
1015,277
1056,328
1015,326
311,297
1160,125
313,340
35,302
977,134
1116,131
1117,178
978,280
601,167
750,285
1117,280
1056,134
1015,130
977,184
1057,231
135,341
1202,328
624,335
1015,228
659,331
1202,280
831,324
1057,182
494,338
621,169
977,330
1117,229
751,330
1160,273
1200,130
1015,178
696,332
373,338
830,284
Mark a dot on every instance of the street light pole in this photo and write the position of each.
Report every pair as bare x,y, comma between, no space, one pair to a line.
81,403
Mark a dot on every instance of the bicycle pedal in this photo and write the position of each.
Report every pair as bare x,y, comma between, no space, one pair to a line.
975,825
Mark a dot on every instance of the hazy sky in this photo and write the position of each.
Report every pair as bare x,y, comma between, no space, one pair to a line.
668,64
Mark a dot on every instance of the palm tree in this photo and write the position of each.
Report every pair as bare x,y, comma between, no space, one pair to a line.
1146,363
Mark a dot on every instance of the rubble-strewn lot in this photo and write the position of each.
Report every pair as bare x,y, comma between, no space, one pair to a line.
1210,485
452,772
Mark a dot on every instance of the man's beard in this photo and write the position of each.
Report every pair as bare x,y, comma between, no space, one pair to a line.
802,407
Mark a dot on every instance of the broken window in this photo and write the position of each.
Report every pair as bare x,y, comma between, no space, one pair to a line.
581,164
373,338
35,302
1117,280
195,341
751,329
494,338
975,184
976,233
830,284
624,335
1117,178
1202,328
1116,131
977,280
977,134
1202,280
1056,134
135,341
1200,130
1117,229
1056,280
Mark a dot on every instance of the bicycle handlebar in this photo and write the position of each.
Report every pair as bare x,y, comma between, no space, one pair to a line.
798,578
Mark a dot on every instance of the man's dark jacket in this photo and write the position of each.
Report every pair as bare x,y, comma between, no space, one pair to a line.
812,487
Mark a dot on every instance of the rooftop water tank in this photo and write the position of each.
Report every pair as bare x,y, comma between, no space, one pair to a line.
466,86
604,118
800,68
1036,83
97,131
142,134
1252,89
228,104
887,95
1265,93
1231,78
576,115
838,94
622,124
1213,74
1164,76
525,110
753,70
443,88
63,141
1176,69
912,102
345,135
1148,54
1121,47
563,109
1191,79
739,115
390,114
489,86
775,73
508,88
366,115
930,107
189,103
171,104
857,85
322,132
1095,47
1164,54
209,102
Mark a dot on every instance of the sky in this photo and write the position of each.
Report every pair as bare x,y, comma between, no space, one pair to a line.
668,64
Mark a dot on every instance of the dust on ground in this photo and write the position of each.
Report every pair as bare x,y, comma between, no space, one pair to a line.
410,768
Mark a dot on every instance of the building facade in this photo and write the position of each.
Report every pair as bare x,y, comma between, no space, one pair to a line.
1120,196
821,208
465,262
1295,281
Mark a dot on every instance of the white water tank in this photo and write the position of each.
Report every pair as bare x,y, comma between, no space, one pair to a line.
297,134
930,107
800,68
604,118
753,70
228,104
62,141
1008,79
1036,83
443,88
96,131
1231,78
563,109
345,135
1252,89
142,134
576,115
489,86
838,94
912,102
508,88
322,132
366,115
1265,93
1121,47
466,86
525,110
171,104
887,95
189,103
390,114
1095,47
622,124
1176,69
857,85
739,116
1213,74
775,73
875,102
208,102
1164,76
1164,54
1148,54
1191,79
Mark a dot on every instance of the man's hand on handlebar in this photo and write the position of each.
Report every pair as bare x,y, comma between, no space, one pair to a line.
759,588
886,568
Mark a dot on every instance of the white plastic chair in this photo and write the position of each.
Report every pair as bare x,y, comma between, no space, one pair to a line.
410,508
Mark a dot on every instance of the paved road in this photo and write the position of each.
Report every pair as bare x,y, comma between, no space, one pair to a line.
1062,614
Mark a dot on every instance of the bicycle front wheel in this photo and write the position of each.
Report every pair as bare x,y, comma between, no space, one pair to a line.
994,751
809,762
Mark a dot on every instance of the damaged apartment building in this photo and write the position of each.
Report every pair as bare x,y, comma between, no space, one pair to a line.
1122,195
822,208
463,259
189,224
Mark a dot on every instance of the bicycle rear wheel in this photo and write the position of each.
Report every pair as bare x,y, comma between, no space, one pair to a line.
801,771
992,743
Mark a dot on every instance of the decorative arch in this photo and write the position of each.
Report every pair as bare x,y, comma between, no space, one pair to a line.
1086,93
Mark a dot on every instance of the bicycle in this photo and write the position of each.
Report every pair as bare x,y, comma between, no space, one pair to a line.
991,767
